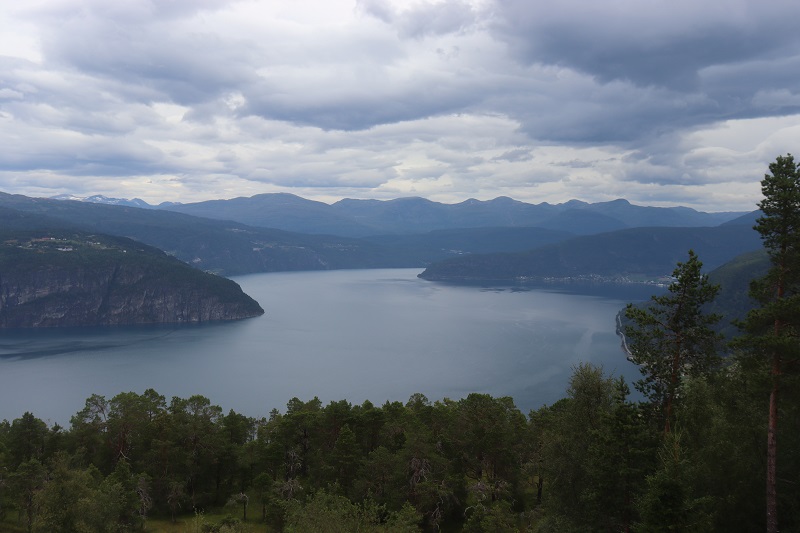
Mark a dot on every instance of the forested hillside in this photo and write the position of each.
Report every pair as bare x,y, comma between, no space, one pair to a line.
631,254
222,247
54,278
734,279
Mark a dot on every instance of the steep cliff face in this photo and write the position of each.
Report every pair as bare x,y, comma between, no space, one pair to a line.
81,280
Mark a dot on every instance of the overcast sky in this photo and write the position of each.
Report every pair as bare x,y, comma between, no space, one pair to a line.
660,102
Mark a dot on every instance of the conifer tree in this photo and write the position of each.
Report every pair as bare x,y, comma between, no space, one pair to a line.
772,329
672,337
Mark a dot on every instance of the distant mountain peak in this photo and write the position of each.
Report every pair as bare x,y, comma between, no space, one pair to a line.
67,197
285,198
412,199
503,200
574,204
100,199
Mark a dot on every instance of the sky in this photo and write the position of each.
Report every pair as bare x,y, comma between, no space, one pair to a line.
674,102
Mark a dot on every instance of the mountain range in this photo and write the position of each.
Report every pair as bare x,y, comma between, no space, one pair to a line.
497,239
360,218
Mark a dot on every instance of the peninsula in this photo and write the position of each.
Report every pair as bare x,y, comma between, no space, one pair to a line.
70,278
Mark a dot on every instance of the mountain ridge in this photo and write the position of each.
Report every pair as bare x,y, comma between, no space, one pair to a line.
405,215
418,215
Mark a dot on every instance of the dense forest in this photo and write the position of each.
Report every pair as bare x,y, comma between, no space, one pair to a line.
713,445
593,461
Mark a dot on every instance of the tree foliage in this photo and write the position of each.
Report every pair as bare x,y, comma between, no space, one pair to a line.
673,337
591,462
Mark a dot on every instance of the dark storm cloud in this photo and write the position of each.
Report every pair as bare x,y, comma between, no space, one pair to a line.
656,67
647,42
359,108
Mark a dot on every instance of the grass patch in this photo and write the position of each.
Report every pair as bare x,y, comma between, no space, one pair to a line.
214,520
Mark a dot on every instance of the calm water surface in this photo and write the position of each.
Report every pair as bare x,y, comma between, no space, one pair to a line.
356,335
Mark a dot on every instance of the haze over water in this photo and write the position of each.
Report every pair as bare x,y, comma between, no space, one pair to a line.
358,335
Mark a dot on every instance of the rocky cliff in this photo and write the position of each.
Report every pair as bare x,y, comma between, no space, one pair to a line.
56,279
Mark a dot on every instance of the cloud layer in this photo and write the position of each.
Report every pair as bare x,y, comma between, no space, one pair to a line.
663,103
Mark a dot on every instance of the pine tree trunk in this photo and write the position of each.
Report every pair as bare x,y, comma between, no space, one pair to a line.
673,385
772,421
539,487
772,449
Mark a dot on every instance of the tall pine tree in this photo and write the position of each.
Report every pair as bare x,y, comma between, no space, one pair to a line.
772,329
